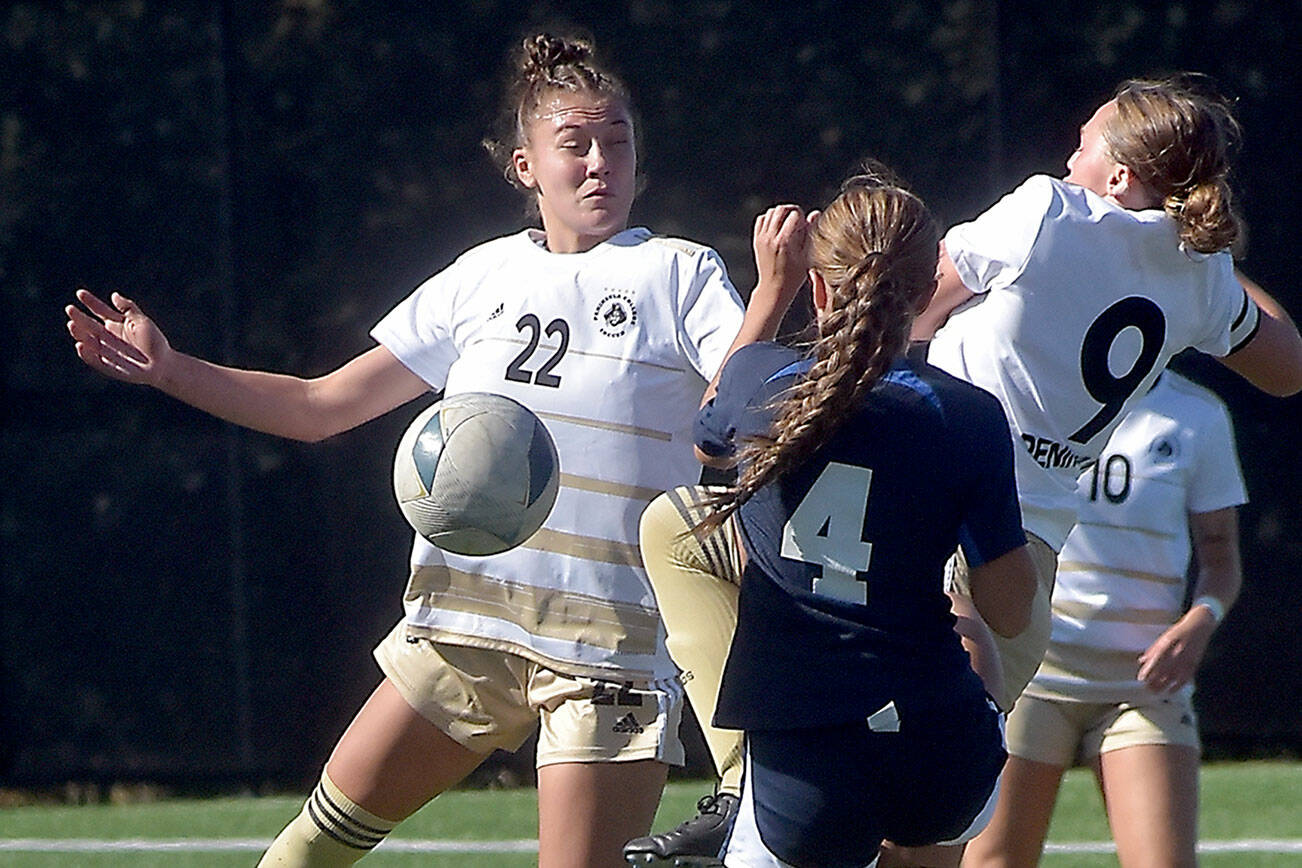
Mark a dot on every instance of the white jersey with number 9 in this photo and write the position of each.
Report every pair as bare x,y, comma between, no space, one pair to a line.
1079,306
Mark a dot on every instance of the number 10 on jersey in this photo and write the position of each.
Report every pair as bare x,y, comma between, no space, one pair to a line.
826,529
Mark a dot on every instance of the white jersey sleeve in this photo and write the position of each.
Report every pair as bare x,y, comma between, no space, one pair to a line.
1233,317
418,331
710,311
991,251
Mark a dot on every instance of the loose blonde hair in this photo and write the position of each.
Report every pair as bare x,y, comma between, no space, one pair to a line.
876,247
1178,139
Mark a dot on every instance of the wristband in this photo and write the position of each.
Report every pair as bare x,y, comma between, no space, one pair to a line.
1213,605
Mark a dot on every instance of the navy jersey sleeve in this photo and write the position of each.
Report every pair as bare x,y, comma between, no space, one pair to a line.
749,380
992,523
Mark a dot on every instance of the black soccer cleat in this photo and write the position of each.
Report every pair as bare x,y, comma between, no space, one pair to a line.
695,842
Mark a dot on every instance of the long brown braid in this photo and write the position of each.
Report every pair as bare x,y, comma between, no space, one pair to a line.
876,247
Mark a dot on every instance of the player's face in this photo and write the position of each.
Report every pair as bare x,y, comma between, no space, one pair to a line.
1091,165
581,163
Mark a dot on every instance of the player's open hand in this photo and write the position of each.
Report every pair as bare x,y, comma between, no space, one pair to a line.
781,243
117,340
1173,659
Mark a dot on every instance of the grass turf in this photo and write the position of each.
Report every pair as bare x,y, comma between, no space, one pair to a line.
1251,800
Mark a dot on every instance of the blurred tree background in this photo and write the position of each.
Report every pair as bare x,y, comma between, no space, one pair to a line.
188,603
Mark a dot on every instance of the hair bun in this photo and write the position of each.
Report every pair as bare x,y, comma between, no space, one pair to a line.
543,53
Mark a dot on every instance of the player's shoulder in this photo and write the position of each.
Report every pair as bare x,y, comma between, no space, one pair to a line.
761,362
1040,193
675,245
495,251
953,392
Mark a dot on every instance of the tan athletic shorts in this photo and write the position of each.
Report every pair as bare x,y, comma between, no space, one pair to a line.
1021,655
486,700
1066,733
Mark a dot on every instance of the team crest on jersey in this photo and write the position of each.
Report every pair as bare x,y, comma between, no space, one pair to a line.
615,315
1163,450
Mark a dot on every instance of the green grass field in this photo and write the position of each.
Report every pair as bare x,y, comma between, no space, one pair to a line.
1242,802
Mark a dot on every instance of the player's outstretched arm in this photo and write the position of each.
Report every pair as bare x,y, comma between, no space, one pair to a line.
121,342
1272,360
1173,659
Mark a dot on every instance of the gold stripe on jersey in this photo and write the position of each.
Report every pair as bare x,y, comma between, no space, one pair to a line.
1090,664
1086,567
1160,534
548,613
587,547
1085,612
607,426
571,351
605,486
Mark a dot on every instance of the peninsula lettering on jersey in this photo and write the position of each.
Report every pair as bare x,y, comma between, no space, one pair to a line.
1051,454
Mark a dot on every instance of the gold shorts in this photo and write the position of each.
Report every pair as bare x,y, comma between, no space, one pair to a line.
487,700
1022,654
1066,733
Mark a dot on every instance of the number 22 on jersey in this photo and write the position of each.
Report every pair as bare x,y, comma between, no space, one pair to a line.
826,529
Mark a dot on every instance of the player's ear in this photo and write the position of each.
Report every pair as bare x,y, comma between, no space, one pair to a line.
818,286
523,166
1124,186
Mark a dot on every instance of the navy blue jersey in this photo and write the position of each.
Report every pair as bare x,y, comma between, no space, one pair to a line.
842,605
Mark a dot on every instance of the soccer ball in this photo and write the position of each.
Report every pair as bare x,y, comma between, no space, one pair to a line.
476,473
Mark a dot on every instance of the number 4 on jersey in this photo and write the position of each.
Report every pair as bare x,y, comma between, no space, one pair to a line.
826,529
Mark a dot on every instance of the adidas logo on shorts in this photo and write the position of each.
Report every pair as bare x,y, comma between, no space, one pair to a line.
627,724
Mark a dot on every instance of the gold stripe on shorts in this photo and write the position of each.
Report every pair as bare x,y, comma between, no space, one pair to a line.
544,612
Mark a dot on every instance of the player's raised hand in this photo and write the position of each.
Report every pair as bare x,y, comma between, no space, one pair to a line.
117,340
781,241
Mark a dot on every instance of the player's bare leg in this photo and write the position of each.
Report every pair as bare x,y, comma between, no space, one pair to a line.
388,763
393,761
586,811
1151,795
1015,836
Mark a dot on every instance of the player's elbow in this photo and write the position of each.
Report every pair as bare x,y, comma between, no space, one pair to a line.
1272,360
1003,591
716,462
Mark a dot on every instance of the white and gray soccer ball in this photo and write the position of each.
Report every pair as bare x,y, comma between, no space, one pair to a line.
476,473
